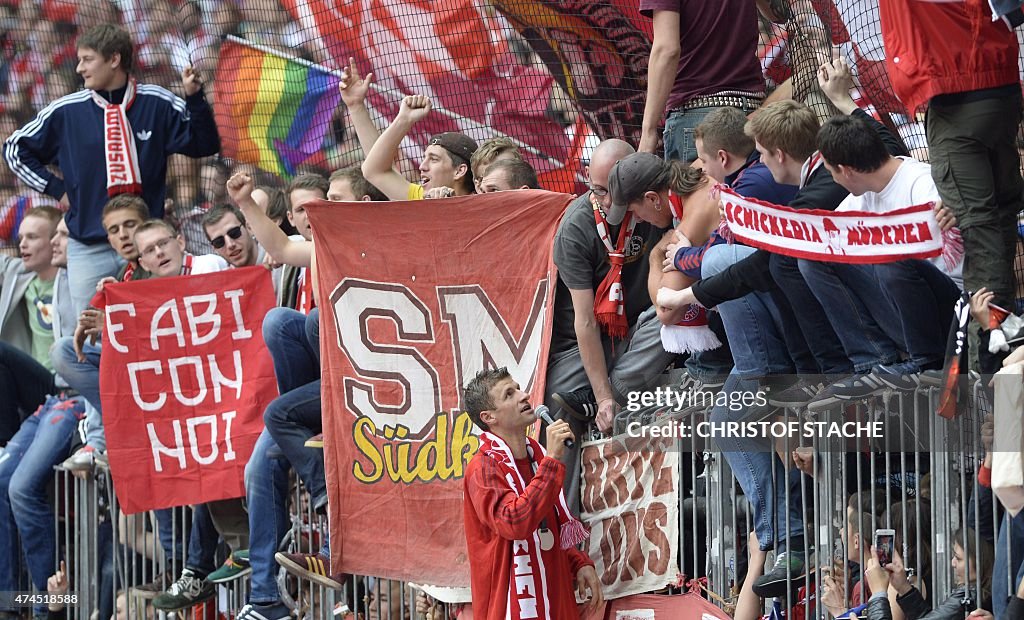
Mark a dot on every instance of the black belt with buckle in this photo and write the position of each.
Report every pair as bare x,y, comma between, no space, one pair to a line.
722,101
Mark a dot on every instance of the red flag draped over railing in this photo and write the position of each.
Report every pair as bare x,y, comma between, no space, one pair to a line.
458,285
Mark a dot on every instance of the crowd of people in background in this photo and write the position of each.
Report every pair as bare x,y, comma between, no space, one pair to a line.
650,278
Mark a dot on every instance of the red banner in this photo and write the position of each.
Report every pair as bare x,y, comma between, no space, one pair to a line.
416,298
184,379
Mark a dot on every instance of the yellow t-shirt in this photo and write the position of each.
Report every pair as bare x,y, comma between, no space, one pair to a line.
415,192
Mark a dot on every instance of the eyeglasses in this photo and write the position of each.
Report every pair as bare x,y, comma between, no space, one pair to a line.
159,245
598,191
221,241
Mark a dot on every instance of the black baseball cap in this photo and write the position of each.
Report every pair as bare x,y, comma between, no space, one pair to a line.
455,143
629,178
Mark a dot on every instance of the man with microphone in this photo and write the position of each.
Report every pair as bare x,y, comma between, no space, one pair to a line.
520,534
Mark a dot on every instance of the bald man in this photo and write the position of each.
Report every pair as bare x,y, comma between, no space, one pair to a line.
595,363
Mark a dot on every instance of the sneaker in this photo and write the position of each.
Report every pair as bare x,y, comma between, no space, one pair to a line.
151,589
316,441
769,386
801,393
312,566
83,460
580,404
242,556
187,590
789,567
904,376
233,568
853,387
264,611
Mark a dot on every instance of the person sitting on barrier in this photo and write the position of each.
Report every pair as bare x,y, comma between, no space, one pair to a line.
516,517
445,161
894,307
508,174
44,438
605,340
30,285
161,252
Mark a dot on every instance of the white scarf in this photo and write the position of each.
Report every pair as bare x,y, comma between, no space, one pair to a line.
122,160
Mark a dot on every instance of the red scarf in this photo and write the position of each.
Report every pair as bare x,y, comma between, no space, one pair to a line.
129,271
186,265
123,175
609,302
691,333
571,531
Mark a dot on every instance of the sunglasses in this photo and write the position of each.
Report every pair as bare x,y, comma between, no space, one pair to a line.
219,242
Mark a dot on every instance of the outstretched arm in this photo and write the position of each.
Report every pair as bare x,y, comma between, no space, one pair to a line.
353,92
661,75
377,168
271,237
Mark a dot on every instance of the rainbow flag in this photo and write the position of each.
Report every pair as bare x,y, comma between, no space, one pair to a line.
271,111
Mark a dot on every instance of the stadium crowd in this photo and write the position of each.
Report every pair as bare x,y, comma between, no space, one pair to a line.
650,279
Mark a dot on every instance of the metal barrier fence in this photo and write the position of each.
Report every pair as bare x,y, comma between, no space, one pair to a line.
919,481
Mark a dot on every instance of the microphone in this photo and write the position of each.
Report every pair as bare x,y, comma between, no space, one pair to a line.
544,413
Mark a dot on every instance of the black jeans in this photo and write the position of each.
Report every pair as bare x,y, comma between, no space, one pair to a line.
24,384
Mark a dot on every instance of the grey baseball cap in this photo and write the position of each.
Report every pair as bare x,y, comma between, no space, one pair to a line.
629,178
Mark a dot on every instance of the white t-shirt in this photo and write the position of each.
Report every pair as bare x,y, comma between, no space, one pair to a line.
911,185
208,263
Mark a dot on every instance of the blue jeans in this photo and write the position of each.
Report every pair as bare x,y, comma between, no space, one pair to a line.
713,364
754,462
202,541
1009,562
266,494
818,333
170,530
296,361
84,377
291,419
87,265
844,291
24,384
922,298
752,321
26,470
678,137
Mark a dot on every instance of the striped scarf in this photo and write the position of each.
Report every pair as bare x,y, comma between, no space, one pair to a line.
123,174
609,301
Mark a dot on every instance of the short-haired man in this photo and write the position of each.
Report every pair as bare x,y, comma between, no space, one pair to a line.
490,151
445,161
44,435
349,185
225,228
515,512
137,125
606,337
703,56
508,174
913,299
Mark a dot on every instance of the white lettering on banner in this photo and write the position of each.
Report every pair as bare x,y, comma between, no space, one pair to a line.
168,307
211,316
217,380
355,304
481,338
207,317
631,501
133,371
241,332
177,450
114,328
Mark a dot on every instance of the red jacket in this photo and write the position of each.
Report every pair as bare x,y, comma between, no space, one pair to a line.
939,47
495,516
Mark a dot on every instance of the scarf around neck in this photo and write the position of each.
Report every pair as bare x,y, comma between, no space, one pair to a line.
571,532
120,155
609,300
